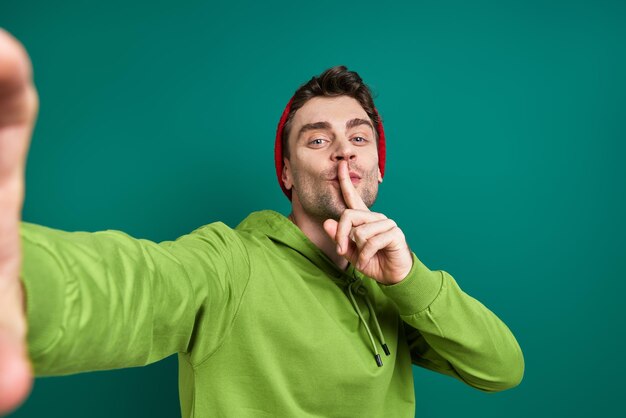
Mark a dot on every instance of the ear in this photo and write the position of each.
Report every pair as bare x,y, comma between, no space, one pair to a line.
286,176
380,176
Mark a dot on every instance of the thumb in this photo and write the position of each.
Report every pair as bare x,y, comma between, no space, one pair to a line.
330,226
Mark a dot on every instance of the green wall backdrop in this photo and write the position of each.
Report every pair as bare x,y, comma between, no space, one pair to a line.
506,163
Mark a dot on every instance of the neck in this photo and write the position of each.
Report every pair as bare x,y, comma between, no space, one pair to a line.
314,230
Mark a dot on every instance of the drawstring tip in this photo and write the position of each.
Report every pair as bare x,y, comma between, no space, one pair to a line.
386,349
378,360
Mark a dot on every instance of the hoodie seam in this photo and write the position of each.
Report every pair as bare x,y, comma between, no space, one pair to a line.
203,360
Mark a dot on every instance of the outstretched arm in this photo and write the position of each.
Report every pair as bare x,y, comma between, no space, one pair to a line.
97,300
104,300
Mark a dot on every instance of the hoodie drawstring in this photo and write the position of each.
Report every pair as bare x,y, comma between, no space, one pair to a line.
355,287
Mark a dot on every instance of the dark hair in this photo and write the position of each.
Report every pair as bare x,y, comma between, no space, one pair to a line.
336,81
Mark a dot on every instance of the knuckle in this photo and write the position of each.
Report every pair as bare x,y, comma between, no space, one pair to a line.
365,254
344,221
375,242
371,249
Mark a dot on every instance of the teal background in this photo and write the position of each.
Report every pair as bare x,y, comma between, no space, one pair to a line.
505,124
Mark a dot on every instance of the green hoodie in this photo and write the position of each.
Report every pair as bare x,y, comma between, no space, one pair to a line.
264,324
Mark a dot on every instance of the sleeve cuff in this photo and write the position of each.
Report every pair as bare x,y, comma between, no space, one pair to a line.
416,291
44,288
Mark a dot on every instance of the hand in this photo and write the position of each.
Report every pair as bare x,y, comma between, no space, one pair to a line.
18,109
370,241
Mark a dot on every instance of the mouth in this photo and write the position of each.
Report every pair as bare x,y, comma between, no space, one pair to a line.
353,175
355,178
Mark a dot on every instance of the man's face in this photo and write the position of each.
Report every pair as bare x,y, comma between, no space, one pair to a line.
325,131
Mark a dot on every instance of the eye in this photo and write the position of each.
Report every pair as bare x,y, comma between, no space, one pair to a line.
317,142
359,139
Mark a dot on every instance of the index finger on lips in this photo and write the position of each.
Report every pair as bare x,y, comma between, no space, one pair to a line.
349,192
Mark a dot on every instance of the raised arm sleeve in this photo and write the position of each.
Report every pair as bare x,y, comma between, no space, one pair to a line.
105,300
450,332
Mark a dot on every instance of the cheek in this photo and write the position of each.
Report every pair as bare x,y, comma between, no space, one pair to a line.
306,164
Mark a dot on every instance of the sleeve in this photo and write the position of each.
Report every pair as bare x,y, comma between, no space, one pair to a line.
105,300
452,333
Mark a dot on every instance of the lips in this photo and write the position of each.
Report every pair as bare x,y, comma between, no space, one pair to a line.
353,176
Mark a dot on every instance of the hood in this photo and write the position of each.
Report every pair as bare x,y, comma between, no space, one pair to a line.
282,231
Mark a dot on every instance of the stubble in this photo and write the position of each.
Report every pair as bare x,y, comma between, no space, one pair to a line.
321,199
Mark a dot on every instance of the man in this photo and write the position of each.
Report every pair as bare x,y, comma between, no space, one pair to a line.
320,313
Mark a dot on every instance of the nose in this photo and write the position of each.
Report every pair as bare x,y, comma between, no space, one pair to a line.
344,150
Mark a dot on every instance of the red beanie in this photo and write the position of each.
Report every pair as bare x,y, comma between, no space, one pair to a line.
278,147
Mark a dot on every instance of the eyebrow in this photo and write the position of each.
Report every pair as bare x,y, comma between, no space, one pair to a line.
352,123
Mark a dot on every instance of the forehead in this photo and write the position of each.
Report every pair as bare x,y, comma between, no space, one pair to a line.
335,110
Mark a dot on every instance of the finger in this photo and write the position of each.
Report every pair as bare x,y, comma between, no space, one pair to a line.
15,66
361,234
350,195
18,110
376,244
330,226
15,373
348,220
17,92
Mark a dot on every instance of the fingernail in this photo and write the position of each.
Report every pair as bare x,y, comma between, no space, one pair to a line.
339,249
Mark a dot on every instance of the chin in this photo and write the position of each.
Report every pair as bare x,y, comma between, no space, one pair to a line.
327,203
323,206
333,213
